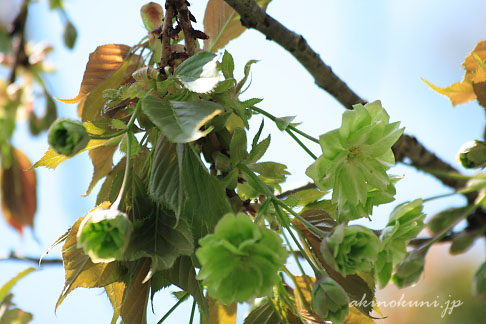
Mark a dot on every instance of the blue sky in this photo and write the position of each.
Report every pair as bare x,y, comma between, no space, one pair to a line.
382,49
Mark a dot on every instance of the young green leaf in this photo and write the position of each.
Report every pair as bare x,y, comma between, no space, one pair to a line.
238,146
199,73
228,65
180,121
5,289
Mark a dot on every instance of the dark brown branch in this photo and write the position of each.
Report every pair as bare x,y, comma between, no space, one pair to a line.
252,16
185,23
165,37
15,257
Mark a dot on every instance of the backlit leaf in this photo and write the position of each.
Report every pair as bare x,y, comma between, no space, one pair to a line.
18,191
102,63
80,271
115,293
222,24
180,121
4,290
152,15
199,73
356,317
221,314
15,316
134,308
458,93
102,159
51,159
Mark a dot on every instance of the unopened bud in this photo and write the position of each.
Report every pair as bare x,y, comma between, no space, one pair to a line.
67,137
472,155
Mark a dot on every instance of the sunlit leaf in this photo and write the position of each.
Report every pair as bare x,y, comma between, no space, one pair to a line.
4,290
51,159
134,307
18,191
263,314
458,93
222,24
15,316
221,314
80,271
356,317
102,159
115,293
152,15
180,121
199,73
102,63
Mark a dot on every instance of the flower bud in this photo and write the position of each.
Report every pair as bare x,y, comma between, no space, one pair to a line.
67,137
409,270
329,300
472,155
479,282
240,259
103,234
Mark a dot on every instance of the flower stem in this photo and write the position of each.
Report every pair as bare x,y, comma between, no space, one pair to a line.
180,301
273,118
116,203
192,312
301,144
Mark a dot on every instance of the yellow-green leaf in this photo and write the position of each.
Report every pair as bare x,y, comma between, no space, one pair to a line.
51,159
102,63
221,314
303,291
15,316
356,317
11,283
80,271
479,86
222,24
458,93
471,63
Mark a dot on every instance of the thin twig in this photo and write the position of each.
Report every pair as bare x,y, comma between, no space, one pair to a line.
16,257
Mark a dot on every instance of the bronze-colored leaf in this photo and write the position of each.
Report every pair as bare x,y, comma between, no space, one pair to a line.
18,189
304,287
471,63
479,86
102,159
80,271
152,15
221,314
115,293
102,63
222,24
134,308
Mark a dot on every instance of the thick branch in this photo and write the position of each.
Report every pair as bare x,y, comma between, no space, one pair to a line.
185,22
252,16
166,51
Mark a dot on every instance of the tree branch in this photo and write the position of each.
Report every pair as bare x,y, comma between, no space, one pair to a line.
185,22
252,16
16,257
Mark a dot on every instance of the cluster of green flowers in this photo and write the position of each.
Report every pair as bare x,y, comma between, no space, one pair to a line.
355,159
240,259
